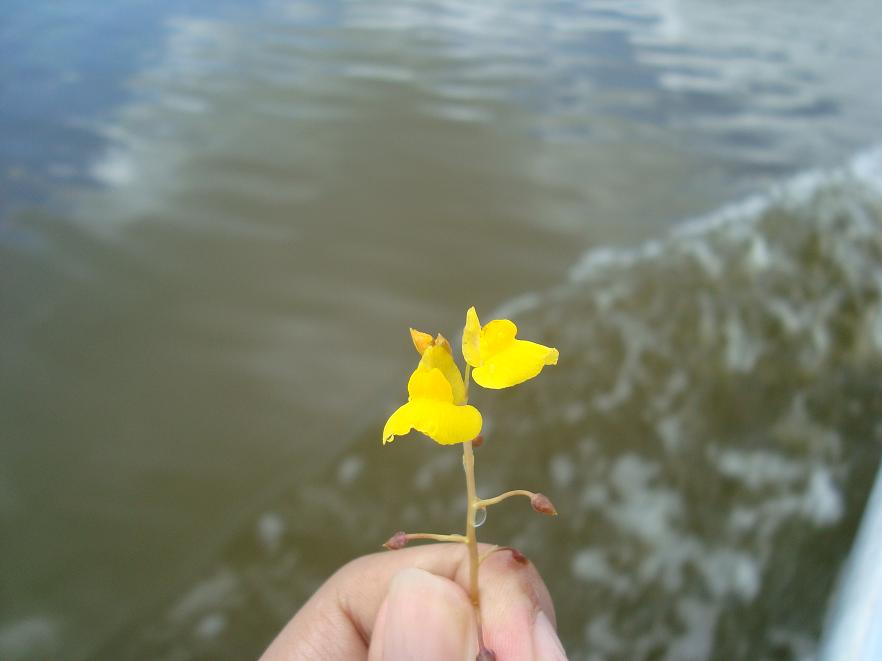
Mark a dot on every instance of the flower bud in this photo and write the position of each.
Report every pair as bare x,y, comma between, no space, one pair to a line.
396,541
542,505
441,341
421,341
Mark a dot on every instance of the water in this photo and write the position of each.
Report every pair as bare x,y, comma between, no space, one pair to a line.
205,304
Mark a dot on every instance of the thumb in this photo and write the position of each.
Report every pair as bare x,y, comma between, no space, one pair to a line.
424,618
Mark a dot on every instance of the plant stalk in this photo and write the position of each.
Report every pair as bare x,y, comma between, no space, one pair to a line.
487,502
468,464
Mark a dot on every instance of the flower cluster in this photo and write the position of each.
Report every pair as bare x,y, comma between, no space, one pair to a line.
437,402
437,406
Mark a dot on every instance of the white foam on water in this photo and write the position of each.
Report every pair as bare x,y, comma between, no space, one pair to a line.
864,170
757,469
699,621
270,531
823,499
562,470
866,167
759,258
728,572
742,349
591,565
210,593
601,638
874,330
723,343
638,339
642,507
670,431
350,469
211,626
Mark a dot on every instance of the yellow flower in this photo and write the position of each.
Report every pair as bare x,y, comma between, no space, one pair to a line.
436,403
500,360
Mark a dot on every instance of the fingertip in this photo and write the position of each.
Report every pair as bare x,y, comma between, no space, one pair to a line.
546,643
516,606
424,618
509,576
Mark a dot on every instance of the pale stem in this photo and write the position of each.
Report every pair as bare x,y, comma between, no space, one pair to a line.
436,537
487,502
468,464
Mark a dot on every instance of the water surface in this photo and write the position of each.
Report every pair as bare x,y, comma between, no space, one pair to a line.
212,248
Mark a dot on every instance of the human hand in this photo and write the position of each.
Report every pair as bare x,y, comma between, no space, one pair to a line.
412,605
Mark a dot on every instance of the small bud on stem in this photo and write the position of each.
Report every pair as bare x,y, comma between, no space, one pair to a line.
396,541
542,505
400,539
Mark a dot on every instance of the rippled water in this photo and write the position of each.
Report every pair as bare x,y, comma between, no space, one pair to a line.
209,259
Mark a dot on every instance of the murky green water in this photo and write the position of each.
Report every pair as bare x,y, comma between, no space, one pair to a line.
204,327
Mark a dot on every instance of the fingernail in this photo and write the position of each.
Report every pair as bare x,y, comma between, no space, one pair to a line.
428,618
546,644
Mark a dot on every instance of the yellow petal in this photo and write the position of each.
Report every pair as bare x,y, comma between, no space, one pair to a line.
444,423
497,336
471,338
420,340
438,357
480,344
520,361
429,383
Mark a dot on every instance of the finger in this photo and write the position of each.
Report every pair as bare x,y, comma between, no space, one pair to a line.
338,621
424,618
516,611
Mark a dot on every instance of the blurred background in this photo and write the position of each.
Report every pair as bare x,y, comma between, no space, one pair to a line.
219,219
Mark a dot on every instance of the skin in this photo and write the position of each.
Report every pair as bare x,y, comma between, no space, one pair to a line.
413,604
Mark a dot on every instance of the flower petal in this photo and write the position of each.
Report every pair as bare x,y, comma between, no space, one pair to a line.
520,361
429,383
480,344
471,338
496,337
439,357
443,422
421,340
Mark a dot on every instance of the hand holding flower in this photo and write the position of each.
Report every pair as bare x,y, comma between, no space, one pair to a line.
438,407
